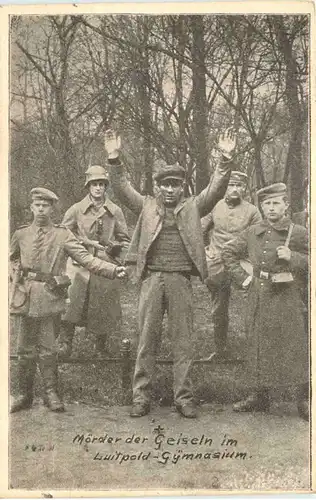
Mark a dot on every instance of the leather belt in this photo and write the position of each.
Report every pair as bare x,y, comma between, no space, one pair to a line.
281,277
37,275
263,275
149,272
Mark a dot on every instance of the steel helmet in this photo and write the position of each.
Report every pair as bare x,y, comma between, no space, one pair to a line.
96,173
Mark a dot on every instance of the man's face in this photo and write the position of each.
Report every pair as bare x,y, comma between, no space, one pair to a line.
42,211
97,189
235,191
274,209
170,191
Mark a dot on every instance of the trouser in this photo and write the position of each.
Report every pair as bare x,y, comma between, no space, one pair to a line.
160,292
37,336
220,295
37,341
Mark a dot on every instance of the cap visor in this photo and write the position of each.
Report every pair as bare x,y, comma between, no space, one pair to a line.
165,177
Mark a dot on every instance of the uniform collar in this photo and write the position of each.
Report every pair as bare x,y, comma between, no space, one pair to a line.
45,229
233,205
282,225
87,203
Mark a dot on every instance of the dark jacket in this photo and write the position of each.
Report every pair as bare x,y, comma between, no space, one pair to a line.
276,338
188,215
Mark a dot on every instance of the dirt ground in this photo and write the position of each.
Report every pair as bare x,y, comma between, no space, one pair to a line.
46,455
254,451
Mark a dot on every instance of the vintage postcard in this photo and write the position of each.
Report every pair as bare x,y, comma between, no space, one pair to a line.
157,338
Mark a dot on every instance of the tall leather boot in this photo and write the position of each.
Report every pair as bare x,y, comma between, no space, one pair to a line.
49,371
26,375
303,401
67,332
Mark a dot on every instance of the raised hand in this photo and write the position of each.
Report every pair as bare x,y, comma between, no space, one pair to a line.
112,143
227,142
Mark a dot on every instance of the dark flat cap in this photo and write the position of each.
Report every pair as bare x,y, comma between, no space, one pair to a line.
277,189
40,193
170,172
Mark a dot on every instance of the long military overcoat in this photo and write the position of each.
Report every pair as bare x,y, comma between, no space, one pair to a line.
277,342
95,302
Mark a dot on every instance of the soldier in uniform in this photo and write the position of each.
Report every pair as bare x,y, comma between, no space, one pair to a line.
167,248
229,217
94,302
276,338
39,287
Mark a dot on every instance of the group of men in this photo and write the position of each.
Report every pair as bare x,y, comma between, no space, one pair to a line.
166,249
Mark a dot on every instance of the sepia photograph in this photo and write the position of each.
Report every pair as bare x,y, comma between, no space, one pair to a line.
159,252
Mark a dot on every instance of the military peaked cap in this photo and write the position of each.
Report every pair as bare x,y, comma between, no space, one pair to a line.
277,189
170,172
40,193
237,176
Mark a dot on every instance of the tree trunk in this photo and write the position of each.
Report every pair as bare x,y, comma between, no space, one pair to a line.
143,78
293,168
260,180
199,122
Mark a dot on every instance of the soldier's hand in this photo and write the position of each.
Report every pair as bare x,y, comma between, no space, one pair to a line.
112,143
92,243
120,272
227,142
97,245
284,253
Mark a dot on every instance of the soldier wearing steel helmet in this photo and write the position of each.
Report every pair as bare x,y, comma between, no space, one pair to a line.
100,226
39,285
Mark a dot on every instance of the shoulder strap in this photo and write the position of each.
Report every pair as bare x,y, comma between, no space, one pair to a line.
289,234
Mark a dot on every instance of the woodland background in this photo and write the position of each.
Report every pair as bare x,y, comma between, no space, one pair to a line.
169,84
